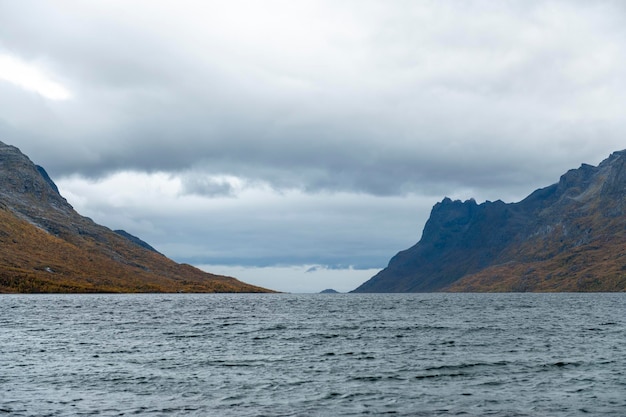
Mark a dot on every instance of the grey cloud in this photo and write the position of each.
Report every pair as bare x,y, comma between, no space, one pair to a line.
339,235
418,112
207,187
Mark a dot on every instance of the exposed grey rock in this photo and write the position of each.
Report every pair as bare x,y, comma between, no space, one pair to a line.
135,240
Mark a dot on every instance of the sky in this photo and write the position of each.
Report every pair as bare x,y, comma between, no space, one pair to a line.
299,145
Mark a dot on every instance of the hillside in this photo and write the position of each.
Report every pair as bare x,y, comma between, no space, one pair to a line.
46,246
570,236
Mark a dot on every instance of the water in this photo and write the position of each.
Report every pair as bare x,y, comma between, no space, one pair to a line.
313,355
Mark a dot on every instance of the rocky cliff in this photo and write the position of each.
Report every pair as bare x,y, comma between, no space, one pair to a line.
570,236
46,246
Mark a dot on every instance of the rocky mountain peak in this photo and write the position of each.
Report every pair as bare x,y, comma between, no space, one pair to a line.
23,183
574,230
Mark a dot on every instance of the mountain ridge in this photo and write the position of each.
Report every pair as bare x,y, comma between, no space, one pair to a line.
48,247
568,236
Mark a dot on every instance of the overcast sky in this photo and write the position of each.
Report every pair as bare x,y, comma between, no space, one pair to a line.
299,145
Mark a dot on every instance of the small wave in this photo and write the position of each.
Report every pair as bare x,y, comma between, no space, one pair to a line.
275,328
466,366
442,343
187,336
442,375
377,378
562,364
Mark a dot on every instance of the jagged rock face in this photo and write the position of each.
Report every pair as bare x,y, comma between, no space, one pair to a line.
30,194
22,182
569,236
46,246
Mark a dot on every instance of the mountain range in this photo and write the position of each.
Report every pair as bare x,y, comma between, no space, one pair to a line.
569,236
46,246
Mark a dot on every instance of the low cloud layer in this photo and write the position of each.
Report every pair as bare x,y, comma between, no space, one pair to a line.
249,106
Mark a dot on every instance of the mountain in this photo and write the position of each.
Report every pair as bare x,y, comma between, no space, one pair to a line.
570,236
46,246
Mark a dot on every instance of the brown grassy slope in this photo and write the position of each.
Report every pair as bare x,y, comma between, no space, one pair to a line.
46,246
33,260
586,252
585,269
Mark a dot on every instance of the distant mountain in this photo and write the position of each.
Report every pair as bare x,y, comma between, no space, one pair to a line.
46,246
570,236
329,291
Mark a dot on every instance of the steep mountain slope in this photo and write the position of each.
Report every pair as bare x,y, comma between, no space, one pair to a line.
570,236
45,246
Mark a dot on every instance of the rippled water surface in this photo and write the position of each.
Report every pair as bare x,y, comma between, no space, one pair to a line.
308,355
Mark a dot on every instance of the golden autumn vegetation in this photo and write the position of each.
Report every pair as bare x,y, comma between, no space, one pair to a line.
34,261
